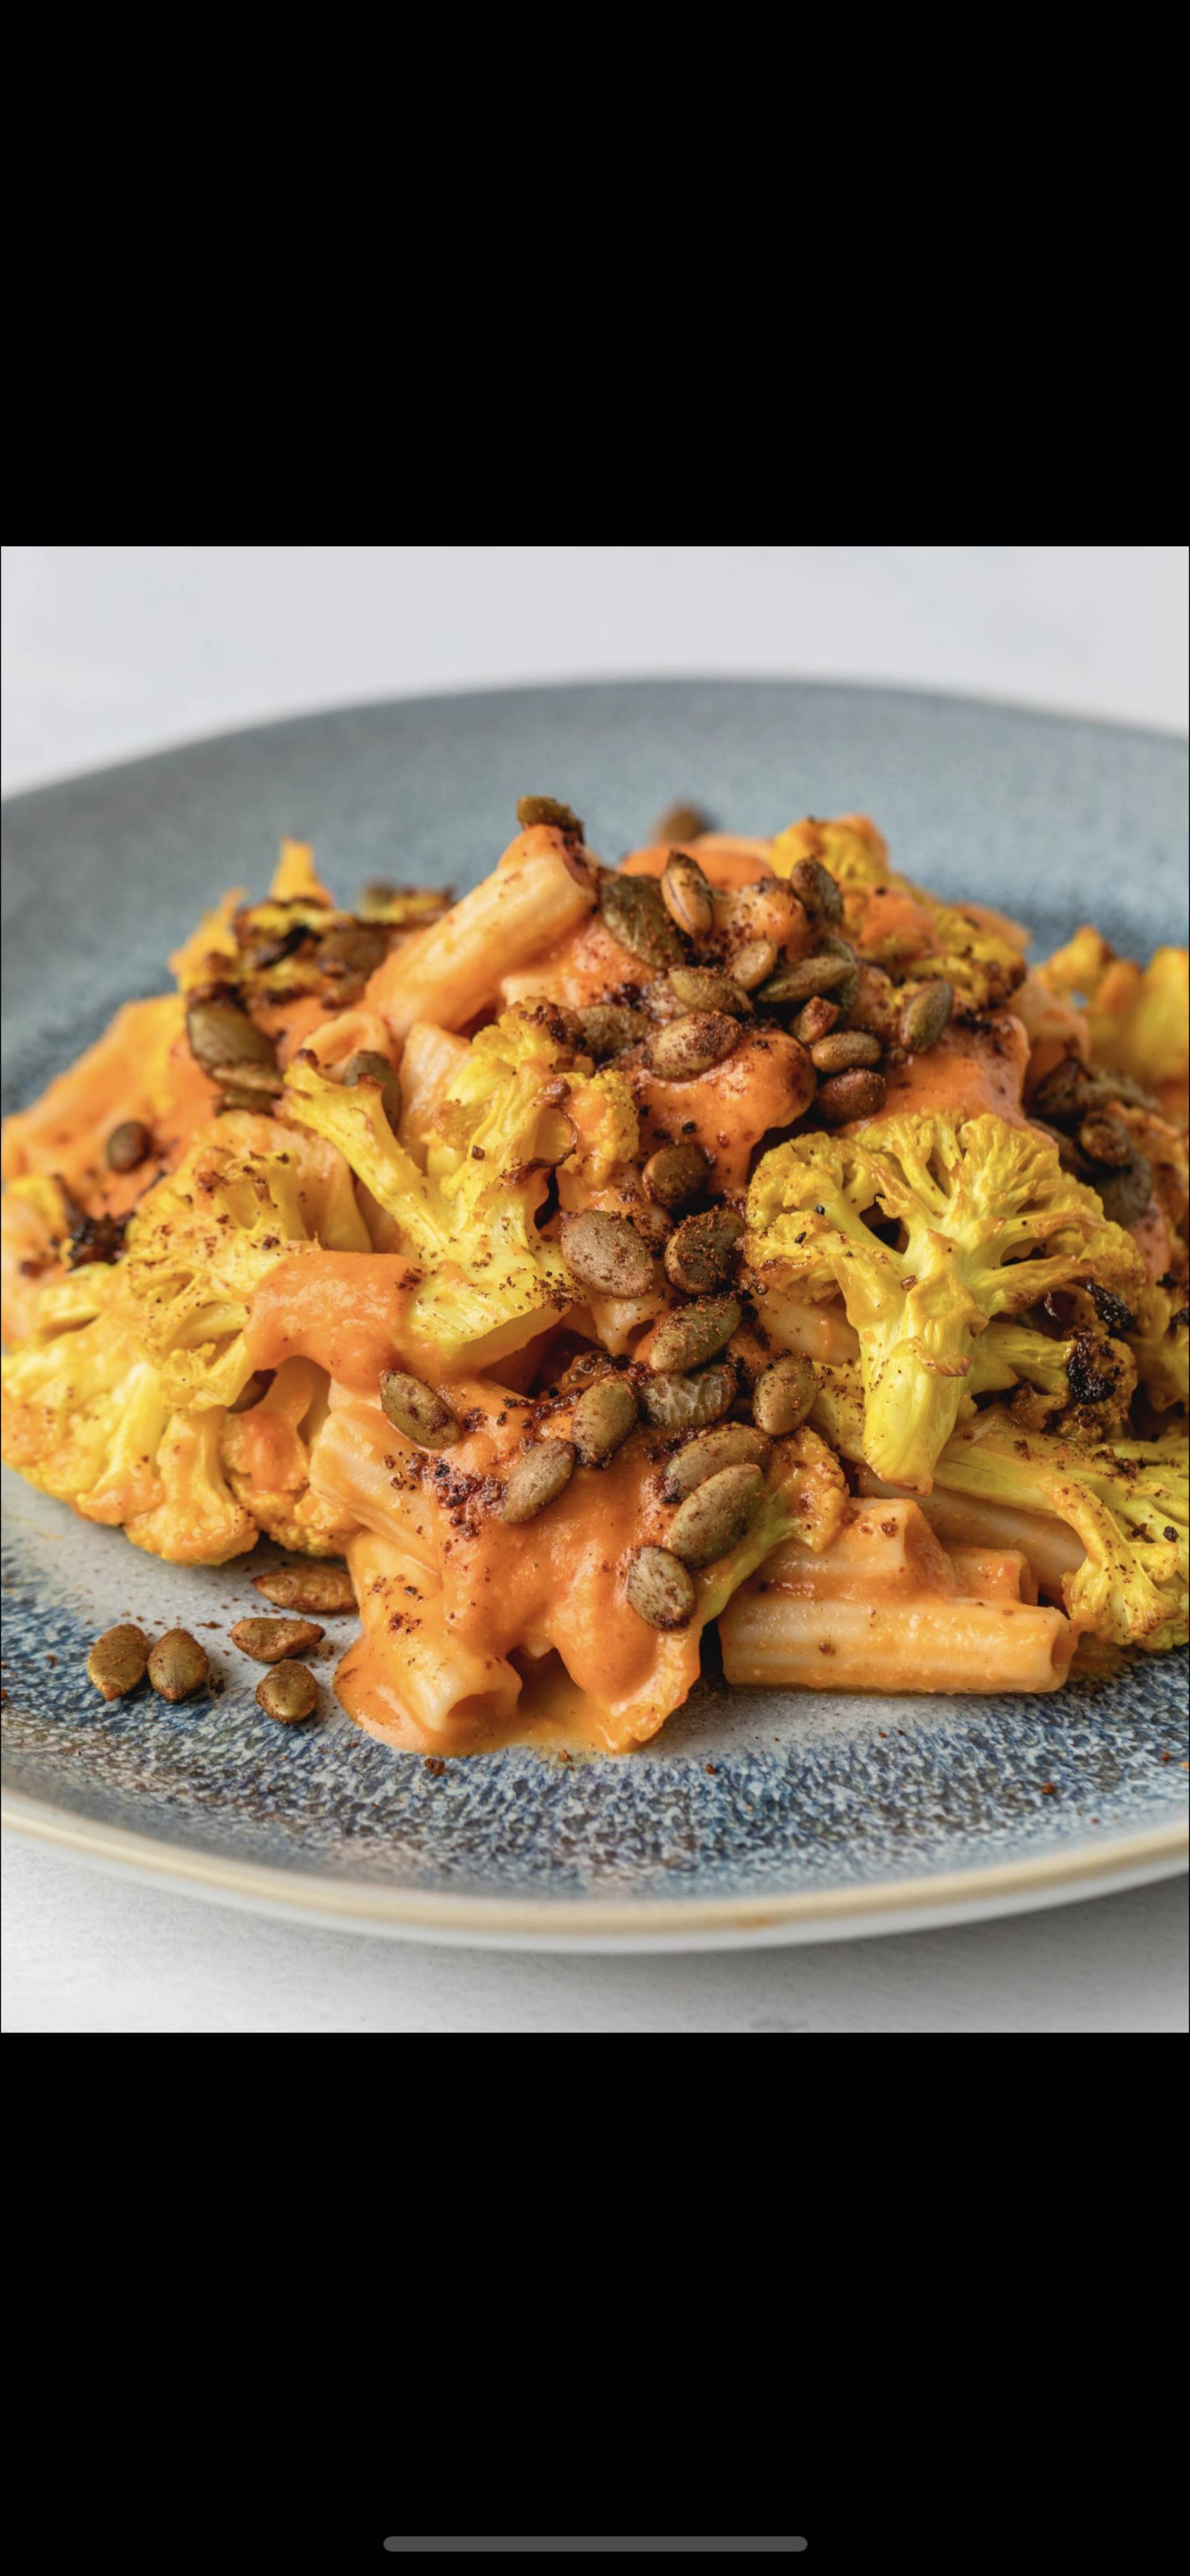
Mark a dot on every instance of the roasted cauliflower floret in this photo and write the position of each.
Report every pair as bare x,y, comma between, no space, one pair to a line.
1137,1016
975,1221
248,1192
518,1105
1160,1343
897,924
87,1418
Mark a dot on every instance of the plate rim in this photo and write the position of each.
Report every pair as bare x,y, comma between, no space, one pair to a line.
591,1924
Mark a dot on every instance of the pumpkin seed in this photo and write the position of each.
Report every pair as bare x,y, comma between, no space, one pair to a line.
368,1065
220,1034
417,1410
270,1641
606,1028
308,1587
117,1661
602,1418
734,1444
687,896
693,1334
255,1082
659,1589
925,1015
128,1145
753,962
815,1020
784,1393
676,1173
289,1693
178,1664
691,1045
844,1048
1105,1140
1067,1092
700,988
698,1253
606,1253
1125,1195
678,1403
352,949
634,911
817,889
803,976
715,1516
858,1094
681,823
536,1478
532,810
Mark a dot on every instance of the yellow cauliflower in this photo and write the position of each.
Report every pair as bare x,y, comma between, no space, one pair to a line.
1137,1016
897,924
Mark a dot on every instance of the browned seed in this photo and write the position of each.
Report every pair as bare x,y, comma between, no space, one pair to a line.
252,1083
844,1048
602,1418
680,1403
925,1015
1066,1092
221,1034
289,1693
803,976
1106,1140
753,962
816,888
693,1334
659,1589
534,1479
546,809
691,1045
698,1253
687,896
675,1174
308,1587
715,1516
605,1253
353,948
815,1020
605,1028
784,1393
1125,1195
417,1410
851,1095
633,909
117,1661
270,1641
701,988
178,1664
129,1144
680,822
368,1065
734,1444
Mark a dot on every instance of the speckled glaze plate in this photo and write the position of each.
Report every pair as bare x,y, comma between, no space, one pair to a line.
756,1816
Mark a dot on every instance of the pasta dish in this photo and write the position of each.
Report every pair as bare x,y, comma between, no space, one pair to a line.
735,1253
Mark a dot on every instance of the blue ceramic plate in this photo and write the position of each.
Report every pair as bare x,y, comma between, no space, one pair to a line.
756,1816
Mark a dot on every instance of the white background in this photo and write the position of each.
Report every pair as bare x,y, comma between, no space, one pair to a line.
115,650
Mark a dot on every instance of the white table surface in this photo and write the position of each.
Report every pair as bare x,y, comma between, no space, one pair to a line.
113,650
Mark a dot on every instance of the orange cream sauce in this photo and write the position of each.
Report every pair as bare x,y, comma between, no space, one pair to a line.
556,1582
724,862
767,1082
969,1071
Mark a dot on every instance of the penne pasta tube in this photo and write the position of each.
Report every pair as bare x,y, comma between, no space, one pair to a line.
409,1679
994,1574
430,1057
1051,1546
454,967
937,1642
